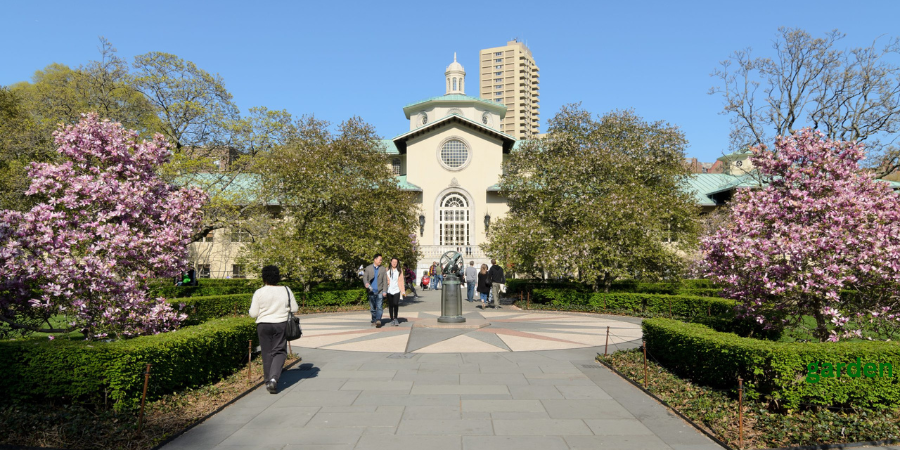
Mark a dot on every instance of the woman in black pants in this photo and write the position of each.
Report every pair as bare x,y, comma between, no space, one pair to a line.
395,290
270,307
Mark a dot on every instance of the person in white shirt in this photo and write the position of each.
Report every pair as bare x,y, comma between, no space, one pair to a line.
271,306
395,291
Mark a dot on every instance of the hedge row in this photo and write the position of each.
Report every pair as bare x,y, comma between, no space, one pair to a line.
774,371
230,287
97,372
703,288
203,308
638,303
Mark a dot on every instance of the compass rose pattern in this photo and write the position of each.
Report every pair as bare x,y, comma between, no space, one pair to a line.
510,331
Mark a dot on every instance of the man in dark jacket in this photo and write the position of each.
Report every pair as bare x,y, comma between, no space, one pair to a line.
376,281
495,273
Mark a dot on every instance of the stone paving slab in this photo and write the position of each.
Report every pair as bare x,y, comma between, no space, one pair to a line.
546,400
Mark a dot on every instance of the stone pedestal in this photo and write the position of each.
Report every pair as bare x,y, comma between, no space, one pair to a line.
451,300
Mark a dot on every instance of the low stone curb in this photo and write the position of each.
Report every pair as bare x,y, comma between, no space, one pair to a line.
219,409
723,444
664,403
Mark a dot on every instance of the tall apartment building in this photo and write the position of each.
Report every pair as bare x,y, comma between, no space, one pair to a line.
509,75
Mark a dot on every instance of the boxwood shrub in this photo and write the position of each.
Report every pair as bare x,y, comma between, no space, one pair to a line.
773,371
99,372
203,308
637,303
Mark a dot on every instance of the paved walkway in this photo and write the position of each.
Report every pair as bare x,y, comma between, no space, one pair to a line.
419,393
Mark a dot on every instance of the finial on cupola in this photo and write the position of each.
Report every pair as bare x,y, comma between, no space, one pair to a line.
456,78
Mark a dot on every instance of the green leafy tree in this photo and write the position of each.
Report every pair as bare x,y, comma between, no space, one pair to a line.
600,199
20,143
193,106
340,203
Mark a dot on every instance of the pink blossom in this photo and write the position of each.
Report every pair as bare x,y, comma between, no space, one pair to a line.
107,224
820,225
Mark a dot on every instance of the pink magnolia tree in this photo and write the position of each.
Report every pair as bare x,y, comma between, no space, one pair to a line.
106,224
819,226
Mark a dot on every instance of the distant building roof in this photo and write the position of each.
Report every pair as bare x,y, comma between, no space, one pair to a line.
499,108
400,141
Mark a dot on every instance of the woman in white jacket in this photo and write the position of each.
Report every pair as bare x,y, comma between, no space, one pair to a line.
270,307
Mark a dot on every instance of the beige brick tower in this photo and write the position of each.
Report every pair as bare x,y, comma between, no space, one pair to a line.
509,75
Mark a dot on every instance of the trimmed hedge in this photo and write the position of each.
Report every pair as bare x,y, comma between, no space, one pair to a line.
773,371
200,309
704,288
96,371
638,303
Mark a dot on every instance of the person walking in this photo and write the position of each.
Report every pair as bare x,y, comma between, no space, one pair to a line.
484,285
395,291
410,280
471,281
271,306
436,276
375,279
497,281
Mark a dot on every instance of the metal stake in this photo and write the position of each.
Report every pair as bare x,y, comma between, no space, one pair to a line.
741,411
143,399
605,347
645,363
249,359
529,299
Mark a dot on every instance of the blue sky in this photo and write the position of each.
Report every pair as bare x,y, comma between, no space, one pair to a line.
369,59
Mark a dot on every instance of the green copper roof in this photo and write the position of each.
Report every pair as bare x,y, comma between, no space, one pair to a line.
456,98
389,147
406,185
702,185
494,188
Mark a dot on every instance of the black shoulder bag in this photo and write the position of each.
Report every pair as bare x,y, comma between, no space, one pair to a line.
292,329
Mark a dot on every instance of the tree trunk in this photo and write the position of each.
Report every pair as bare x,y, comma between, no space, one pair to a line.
821,322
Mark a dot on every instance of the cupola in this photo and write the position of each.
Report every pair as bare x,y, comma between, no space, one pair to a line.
456,78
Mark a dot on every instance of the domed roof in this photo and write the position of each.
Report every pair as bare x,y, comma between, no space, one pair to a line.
455,66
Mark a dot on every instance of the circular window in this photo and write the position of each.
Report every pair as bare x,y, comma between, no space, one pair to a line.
454,154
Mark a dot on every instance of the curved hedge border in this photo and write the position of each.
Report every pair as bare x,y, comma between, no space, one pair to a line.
94,371
773,371
203,308
636,303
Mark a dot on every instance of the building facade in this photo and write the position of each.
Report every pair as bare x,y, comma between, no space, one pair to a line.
452,157
509,76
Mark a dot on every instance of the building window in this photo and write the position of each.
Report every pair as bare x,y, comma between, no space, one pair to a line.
498,73
237,271
454,153
498,67
454,218
203,271
498,53
241,235
395,166
208,237
498,80
498,60
498,86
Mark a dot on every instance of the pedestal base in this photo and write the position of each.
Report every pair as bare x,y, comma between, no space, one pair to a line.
468,324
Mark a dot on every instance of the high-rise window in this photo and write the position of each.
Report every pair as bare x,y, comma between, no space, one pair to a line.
498,80
498,86
498,67
498,73
498,53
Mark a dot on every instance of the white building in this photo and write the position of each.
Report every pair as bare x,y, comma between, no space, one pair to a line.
453,156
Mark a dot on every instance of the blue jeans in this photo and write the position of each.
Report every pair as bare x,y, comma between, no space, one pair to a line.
470,288
438,281
484,296
375,302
